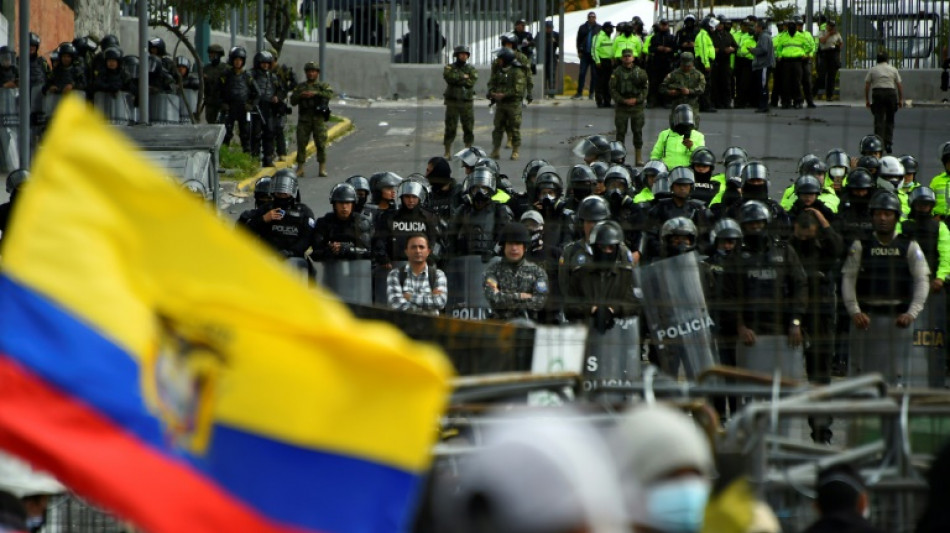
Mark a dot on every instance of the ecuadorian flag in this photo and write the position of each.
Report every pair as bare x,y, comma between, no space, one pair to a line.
171,370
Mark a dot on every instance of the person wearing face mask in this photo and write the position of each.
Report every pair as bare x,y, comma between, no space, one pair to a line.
725,236
842,502
460,78
515,287
885,285
446,192
675,146
768,285
810,195
854,219
810,165
601,290
547,257
475,227
891,171
591,211
549,202
581,179
838,163
819,248
361,186
702,162
754,178
665,464
383,192
342,234
623,209
286,224
213,72
521,202
644,189
394,227
911,166
262,198
679,204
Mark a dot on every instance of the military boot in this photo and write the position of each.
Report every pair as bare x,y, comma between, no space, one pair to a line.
508,143
639,156
494,152
323,170
514,154
448,151
299,171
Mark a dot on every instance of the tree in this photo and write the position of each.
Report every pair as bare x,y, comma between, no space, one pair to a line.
279,17
780,13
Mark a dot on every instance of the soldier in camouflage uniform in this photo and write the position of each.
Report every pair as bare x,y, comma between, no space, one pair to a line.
514,286
313,97
506,89
685,85
629,85
460,78
288,80
213,72
510,40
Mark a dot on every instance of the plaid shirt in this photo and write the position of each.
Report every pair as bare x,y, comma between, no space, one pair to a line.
421,299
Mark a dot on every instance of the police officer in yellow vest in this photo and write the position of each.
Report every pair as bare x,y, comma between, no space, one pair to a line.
791,49
603,55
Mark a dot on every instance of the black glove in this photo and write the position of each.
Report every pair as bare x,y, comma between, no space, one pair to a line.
603,319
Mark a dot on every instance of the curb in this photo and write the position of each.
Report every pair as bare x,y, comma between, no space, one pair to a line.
335,132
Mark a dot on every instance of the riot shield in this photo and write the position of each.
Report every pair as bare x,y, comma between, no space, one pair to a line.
885,348
768,353
9,107
677,315
36,99
163,108
351,281
187,105
466,277
117,108
928,352
379,283
9,132
612,358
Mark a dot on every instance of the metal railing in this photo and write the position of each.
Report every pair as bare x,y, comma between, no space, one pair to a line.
914,33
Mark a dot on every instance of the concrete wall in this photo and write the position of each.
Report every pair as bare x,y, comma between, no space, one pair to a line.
922,85
95,17
52,20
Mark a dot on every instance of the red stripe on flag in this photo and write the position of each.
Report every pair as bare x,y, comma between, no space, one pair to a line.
102,463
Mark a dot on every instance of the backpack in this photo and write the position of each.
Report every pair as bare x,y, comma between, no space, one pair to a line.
433,282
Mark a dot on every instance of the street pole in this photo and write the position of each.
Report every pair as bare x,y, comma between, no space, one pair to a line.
260,25
143,61
322,36
24,111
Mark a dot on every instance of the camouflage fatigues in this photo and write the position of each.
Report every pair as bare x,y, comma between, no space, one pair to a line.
459,97
213,75
511,82
626,83
288,80
525,67
692,80
504,283
314,112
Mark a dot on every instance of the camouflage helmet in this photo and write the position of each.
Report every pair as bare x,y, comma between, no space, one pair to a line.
508,37
216,48
311,65
461,49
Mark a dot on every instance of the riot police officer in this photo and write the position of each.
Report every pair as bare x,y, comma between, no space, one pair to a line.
286,225
767,282
382,186
264,119
393,227
460,78
755,186
623,209
15,180
476,225
591,211
853,221
313,99
361,186
213,72
239,95
549,202
287,82
885,285
726,238
807,191
342,234
514,286
838,164
262,199
931,235
678,236
703,162
675,146
520,203
66,76
39,67
446,192
602,290
679,204
581,183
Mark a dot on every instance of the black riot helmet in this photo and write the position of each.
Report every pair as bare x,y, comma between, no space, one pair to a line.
677,226
886,200
343,193
593,148
682,120
470,156
581,180
34,40
530,175
725,228
593,209
922,195
112,53
703,156
661,186
508,37
490,164
515,233
860,178
109,41
754,170
262,190
67,49
871,145
263,57
870,163
734,173
359,183
620,176
481,185
807,184
600,170
158,44
237,52
6,56
16,179
682,176
618,152
754,211
548,179
945,152
383,180
653,168
506,56
838,162
284,181
807,161
606,234
910,164
412,188
734,153
130,65
182,61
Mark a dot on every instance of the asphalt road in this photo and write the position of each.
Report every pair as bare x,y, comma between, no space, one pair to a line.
401,136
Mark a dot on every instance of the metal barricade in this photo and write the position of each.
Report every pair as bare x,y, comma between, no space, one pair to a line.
352,281
117,107
163,108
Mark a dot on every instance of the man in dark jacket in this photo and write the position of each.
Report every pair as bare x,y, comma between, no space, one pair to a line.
763,59
842,502
342,234
585,38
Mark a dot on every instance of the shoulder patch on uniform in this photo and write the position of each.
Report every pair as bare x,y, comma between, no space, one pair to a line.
581,259
311,222
541,286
